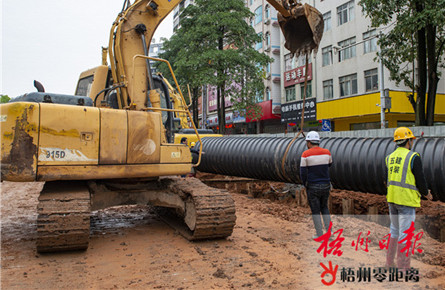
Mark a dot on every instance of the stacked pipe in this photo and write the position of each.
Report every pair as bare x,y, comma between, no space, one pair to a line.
358,163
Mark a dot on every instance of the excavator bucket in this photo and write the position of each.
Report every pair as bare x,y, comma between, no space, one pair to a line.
302,26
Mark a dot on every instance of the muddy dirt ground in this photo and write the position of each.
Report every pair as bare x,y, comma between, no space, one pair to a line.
271,247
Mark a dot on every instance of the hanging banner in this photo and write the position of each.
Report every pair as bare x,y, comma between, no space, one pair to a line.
229,117
212,121
237,118
213,100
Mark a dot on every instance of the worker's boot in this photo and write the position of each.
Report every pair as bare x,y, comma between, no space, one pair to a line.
403,262
391,254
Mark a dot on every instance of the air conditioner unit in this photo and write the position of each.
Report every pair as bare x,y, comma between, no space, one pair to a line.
276,79
266,21
267,48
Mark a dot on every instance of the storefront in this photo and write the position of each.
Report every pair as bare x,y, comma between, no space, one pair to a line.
212,121
363,112
269,121
291,114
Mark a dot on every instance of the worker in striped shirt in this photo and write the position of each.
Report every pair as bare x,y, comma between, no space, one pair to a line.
314,174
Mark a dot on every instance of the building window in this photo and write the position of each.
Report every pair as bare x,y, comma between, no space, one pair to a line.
290,94
348,85
258,15
349,52
259,44
327,21
267,11
267,39
328,90
251,2
345,12
308,90
288,62
268,68
370,43
302,60
259,97
371,80
267,93
327,55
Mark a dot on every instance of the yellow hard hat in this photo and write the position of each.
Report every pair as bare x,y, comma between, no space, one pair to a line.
403,133
192,144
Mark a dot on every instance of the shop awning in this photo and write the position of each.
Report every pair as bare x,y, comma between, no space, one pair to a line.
266,107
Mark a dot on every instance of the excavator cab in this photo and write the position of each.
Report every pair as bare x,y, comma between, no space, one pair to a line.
97,84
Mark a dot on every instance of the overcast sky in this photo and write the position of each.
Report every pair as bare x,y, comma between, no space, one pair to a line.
53,41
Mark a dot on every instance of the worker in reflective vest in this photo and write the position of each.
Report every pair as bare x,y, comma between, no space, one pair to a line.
406,182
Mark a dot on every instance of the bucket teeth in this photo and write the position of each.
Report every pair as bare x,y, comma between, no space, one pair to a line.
302,27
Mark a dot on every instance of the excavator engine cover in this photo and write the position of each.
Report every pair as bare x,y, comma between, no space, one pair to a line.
302,27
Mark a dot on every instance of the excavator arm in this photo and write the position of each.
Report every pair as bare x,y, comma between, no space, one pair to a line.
133,29
130,37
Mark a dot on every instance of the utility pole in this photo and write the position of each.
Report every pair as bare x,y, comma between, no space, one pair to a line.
382,91
204,107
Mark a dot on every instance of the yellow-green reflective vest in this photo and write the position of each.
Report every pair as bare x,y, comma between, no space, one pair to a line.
402,188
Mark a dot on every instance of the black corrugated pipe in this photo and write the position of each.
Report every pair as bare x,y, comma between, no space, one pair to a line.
358,163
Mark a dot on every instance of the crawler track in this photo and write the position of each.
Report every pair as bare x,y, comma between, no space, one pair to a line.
64,207
63,222
210,212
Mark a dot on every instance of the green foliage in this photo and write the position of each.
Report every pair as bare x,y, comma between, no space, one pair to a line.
4,99
416,28
399,45
198,54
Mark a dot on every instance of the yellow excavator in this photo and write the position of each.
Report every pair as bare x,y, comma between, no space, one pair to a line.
110,144
182,124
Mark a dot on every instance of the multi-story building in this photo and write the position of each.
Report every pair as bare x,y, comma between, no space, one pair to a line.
265,23
178,11
345,75
154,51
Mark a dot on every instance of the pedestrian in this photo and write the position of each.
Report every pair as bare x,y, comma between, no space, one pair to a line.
192,148
405,183
314,173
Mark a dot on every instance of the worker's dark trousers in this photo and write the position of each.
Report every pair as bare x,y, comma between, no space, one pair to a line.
317,195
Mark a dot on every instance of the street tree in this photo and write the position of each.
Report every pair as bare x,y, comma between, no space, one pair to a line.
416,38
215,46
4,99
